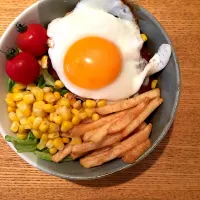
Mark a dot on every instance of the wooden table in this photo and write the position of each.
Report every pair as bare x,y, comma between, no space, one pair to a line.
171,172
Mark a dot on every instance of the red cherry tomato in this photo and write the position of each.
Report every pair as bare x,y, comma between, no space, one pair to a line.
32,39
23,68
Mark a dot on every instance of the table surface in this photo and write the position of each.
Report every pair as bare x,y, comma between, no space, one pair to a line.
172,171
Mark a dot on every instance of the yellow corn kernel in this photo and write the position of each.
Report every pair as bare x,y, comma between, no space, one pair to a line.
74,111
84,104
38,93
22,136
10,109
58,119
47,89
38,112
144,37
64,102
43,141
9,95
56,107
13,117
20,86
44,62
69,95
76,120
77,104
20,103
51,117
58,84
14,127
49,108
31,119
90,103
38,104
44,126
53,150
21,129
53,135
25,109
10,102
19,114
72,101
15,90
58,144
154,84
65,140
30,86
66,126
29,98
57,95
49,97
95,117
76,140
53,127
37,134
65,113
89,112
101,103
25,123
26,92
36,123
49,144
83,115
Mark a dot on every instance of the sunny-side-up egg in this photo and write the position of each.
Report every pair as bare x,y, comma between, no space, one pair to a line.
95,53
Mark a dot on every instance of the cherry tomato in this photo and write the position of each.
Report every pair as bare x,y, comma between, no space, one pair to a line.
22,67
32,39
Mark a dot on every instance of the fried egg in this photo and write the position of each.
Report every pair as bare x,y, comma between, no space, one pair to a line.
96,54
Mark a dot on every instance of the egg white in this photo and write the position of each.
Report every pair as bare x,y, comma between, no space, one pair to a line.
92,22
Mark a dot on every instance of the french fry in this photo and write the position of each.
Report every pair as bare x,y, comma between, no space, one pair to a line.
99,151
126,104
75,156
87,135
142,117
83,128
120,149
126,119
100,134
141,127
132,155
60,155
89,146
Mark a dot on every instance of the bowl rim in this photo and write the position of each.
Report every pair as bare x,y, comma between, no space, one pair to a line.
155,144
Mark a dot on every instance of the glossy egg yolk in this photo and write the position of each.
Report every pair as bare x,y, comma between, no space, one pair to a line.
92,63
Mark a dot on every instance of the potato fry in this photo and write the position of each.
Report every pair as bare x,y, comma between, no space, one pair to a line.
83,128
100,134
120,149
126,119
137,121
75,156
87,135
132,155
89,146
141,127
99,151
125,104
60,155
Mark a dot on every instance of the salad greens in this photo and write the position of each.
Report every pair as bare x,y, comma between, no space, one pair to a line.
10,84
27,145
46,80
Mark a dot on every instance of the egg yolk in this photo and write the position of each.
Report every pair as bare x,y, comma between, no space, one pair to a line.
92,63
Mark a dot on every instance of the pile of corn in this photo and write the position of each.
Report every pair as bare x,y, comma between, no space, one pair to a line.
47,114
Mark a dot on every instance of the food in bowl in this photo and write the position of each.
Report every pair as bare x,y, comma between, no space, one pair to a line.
86,102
